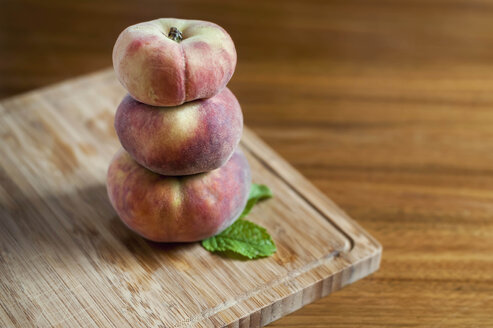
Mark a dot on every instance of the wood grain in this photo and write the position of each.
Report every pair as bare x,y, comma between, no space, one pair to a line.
67,260
384,105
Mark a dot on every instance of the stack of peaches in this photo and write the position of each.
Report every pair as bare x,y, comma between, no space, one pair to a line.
180,176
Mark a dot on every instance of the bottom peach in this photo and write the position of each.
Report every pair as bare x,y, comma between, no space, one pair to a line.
179,208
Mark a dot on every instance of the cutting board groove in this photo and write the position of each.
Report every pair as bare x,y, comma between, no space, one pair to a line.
299,194
67,260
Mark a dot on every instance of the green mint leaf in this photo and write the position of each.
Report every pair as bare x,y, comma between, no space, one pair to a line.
257,192
244,238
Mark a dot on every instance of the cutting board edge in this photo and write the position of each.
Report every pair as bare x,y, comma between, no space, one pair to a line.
312,195
96,75
309,293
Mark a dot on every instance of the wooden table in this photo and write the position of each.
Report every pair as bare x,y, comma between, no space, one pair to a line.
386,106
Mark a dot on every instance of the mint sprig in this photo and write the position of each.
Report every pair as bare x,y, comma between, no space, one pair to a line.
243,237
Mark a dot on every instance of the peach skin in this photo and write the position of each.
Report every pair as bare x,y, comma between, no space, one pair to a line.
195,137
168,61
178,209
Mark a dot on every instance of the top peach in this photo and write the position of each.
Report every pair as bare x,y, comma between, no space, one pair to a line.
168,61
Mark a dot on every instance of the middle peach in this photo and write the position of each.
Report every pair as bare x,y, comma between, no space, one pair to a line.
195,137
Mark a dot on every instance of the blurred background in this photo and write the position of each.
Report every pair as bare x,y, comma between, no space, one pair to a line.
386,106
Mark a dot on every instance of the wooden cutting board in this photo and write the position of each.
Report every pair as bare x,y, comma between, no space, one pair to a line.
66,259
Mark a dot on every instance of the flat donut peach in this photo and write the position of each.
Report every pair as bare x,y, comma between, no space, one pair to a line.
161,71
178,209
195,137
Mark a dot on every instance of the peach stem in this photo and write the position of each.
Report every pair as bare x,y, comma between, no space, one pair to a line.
175,34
